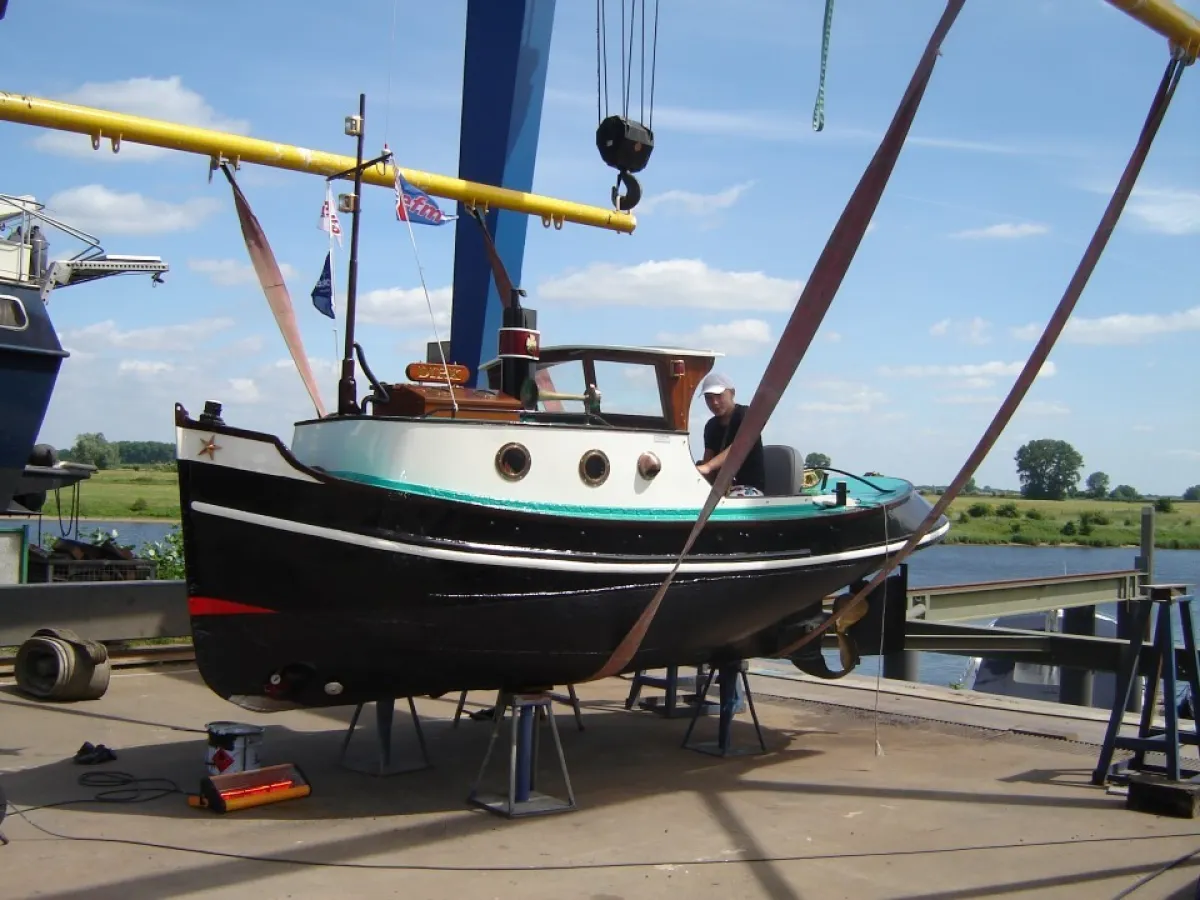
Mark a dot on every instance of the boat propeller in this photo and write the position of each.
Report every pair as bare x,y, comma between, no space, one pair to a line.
809,658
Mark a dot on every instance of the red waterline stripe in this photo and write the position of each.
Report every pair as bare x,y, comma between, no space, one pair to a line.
211,606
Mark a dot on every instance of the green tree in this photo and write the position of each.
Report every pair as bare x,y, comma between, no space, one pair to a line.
93,449
1049,469
1125,492
970,487
1097,485
816,461
1192,493
140,453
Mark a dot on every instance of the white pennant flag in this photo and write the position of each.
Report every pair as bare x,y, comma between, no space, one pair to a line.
329,217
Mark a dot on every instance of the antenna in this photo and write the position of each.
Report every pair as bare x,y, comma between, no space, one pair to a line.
347,389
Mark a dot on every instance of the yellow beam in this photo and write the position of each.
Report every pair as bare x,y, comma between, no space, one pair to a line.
119,127
1164,16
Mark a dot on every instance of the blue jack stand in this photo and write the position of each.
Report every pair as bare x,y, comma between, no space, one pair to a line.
1159,657
668,705
522,798
570,699
729,676
385,710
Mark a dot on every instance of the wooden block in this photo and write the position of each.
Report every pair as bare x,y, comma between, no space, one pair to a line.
1153,793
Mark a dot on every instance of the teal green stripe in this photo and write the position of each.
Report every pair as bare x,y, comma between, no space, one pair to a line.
650,514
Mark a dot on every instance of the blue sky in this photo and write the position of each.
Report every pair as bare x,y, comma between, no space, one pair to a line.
1030,116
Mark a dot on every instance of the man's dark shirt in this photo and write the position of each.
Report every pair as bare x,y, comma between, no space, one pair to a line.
717,437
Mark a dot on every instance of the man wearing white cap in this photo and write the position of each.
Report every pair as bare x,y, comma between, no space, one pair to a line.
720,431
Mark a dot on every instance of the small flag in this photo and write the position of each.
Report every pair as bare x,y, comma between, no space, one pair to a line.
322,294
414,205
329,217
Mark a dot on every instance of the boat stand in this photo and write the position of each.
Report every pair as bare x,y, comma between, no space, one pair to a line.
522,798
1160,657
385,710
668,705
570,699
729,675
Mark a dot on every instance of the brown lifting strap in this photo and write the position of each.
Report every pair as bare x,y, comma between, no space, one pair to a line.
806,318
1091,256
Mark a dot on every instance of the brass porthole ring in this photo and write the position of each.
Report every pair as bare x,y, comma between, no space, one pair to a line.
512,461
593,467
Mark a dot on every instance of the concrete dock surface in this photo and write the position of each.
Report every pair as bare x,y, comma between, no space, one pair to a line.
970,797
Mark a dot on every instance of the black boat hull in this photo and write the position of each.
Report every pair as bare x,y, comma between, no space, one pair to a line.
307,590
30,359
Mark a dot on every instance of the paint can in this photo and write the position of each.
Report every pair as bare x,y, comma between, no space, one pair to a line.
232,747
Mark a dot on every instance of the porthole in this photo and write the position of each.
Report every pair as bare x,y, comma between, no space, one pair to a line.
12,314
512,461
593,467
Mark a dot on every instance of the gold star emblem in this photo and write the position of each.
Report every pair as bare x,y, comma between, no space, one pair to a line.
210,447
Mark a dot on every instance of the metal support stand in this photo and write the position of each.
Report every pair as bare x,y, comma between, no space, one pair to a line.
570,699
3,810
385,710
729,675
522,798
668,705
1163,598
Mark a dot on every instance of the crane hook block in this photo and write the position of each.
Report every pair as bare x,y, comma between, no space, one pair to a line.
624,144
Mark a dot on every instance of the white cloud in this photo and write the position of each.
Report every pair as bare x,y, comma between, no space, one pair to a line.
737,338
1121,328
973,331
1164,211
968,399
973,375
405,307
837,396
231,273
155,98
96,209
184,336
1044,408
1004,230
244,390
671,282
141,367
693,203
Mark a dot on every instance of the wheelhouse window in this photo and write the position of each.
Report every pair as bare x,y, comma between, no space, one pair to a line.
628,391
12,313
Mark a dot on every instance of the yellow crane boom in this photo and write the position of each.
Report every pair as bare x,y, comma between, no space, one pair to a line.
117,127
1168,19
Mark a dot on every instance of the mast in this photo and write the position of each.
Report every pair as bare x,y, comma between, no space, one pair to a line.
347,389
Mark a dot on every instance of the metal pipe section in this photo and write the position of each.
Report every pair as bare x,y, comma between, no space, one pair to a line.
1165,17
217,145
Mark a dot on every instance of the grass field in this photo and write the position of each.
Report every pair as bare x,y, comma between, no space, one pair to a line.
1092,523
148,493
152,493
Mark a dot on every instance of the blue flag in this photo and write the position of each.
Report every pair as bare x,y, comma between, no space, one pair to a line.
415,205
322,294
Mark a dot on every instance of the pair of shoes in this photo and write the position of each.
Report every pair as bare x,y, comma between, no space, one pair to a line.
89,755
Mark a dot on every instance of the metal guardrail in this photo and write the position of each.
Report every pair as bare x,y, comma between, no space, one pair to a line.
95,610
992,599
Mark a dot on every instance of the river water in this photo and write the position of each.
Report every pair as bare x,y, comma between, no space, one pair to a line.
946,564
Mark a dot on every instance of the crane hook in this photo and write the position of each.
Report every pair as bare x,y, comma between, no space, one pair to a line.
633,191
